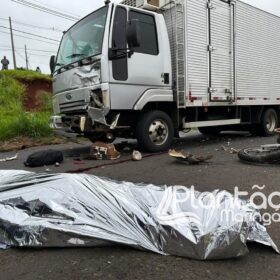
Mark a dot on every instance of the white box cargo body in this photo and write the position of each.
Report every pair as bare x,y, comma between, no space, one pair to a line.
242,56
223,52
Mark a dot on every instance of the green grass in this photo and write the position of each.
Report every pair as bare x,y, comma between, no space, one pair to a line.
14,121
25,75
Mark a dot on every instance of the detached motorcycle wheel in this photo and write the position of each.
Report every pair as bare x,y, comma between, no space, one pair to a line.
260,155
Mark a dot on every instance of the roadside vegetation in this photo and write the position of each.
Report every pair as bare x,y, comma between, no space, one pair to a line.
14,120
24,75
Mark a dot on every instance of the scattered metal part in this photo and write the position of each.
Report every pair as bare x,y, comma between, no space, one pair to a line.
230,150
137,156
126,147
71,210
188,157
9,158
115,122
234,151
3,246
277,131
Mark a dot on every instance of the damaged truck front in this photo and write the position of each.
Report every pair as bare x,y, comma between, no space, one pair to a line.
80,81
93,93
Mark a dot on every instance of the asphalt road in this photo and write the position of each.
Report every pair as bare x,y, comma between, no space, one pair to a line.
224,171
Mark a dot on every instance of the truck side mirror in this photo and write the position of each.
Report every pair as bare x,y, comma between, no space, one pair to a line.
133,33
52,63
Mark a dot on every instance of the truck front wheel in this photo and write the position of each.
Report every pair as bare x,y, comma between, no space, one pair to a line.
155,131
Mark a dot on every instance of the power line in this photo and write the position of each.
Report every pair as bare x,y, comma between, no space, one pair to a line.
22,50
8,47
32,34
30,38
39,55
53,7
20,54
45,10
33,26
34,54
34,50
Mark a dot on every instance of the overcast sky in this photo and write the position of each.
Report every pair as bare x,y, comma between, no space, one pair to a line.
39,52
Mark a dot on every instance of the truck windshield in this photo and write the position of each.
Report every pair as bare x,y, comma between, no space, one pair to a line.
83,40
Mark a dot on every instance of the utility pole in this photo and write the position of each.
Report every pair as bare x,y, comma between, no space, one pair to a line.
13,45
26,58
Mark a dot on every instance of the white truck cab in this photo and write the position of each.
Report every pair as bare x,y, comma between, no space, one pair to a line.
141,71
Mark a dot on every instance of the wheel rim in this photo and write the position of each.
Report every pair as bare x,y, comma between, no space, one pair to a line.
253,151
158,132
262,150
271,122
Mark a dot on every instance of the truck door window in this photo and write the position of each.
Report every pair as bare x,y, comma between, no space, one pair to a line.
120,72
148,33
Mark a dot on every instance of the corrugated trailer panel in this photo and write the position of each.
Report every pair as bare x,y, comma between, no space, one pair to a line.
197,43
257,53
196,46
222,56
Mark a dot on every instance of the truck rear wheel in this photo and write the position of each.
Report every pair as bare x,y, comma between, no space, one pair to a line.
155,131
269,122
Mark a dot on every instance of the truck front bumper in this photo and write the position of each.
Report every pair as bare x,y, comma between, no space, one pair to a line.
80,124
56,123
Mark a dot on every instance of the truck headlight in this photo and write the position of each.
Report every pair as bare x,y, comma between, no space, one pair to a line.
100,98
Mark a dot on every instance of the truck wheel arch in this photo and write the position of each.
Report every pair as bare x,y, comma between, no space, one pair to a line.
166,107
154,96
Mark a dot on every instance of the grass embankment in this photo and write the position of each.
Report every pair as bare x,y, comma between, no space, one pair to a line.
25,75
14,120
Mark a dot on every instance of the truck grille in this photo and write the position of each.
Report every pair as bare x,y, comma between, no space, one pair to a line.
79,105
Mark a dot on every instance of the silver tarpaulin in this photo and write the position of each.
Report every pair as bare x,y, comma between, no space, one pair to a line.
70,210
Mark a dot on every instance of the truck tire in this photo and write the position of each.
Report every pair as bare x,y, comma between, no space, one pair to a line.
215,130
269,122
258,156
155,131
